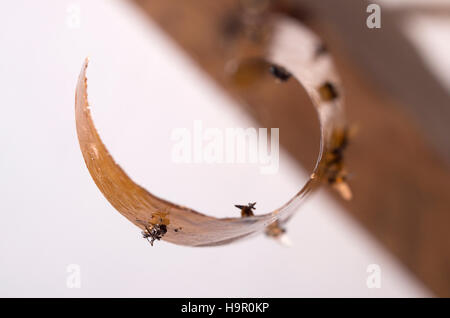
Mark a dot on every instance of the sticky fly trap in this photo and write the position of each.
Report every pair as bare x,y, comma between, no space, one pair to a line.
292,56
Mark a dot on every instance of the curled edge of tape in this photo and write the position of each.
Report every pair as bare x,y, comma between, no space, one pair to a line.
294,47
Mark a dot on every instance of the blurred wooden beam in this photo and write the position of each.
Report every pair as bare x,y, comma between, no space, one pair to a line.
400,180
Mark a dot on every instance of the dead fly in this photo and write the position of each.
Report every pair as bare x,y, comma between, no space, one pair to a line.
275,230
246,210
278,232
335,173
153,231
321,49
328,92
280,73
339,144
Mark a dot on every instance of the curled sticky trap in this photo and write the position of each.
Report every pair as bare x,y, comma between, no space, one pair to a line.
294,49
